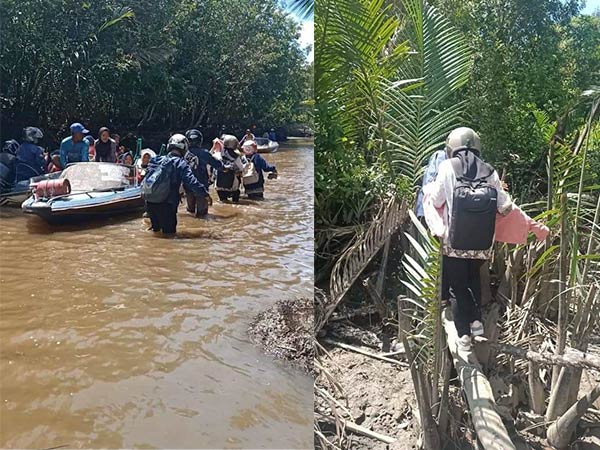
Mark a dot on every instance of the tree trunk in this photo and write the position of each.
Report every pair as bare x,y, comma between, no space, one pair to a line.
570,358
431,438
560,433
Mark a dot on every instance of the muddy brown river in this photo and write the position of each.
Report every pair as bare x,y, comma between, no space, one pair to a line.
112,337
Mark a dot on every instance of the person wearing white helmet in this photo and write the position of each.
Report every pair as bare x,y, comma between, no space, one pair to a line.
161,184
30,156
253,178
229,177
470,193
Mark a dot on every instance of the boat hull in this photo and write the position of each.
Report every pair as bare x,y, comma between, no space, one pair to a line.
22,190
14,199
74,208
271,148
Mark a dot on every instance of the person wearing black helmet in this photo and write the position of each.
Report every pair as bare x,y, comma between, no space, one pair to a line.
30,156
7,165
161,185
200,160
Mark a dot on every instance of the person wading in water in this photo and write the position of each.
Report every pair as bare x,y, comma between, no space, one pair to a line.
160,187
199,159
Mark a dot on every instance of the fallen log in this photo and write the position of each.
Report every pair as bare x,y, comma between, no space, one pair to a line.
490,429
364,352
570,358
561,431
359,429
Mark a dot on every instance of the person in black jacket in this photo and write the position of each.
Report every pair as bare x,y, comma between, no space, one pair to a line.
199,160
106,147
163,215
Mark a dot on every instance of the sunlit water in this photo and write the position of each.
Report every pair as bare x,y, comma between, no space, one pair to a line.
113,337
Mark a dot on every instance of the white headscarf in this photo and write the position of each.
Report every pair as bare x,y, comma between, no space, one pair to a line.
249,148
148,151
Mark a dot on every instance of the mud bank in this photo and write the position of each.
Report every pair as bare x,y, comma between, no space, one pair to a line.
285,331
379,396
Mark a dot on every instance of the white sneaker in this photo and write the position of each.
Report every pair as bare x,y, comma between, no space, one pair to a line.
464,343
477,328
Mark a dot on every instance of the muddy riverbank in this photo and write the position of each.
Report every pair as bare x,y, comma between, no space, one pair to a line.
285,331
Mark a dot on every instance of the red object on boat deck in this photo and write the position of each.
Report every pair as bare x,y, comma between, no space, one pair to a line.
52,188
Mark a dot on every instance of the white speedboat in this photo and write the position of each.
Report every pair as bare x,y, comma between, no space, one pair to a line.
265,145
96,189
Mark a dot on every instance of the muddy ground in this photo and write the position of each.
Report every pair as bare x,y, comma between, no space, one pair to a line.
285,331
380,397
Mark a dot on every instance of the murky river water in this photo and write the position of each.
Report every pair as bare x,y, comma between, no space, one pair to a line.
112,337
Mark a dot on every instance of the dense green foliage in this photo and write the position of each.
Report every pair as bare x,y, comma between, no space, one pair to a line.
529,55
384,101
384,85
165,64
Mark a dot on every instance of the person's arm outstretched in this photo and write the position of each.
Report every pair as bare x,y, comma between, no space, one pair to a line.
191,183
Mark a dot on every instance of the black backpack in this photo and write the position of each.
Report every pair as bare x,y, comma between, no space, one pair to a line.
474,205
156,186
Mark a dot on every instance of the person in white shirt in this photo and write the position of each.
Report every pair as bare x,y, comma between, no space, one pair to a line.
462,265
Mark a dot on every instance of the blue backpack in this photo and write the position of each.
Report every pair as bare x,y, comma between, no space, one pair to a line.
157,185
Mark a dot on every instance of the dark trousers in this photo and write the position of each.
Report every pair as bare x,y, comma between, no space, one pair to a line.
224,195
163,217
463,279
196,205
256,196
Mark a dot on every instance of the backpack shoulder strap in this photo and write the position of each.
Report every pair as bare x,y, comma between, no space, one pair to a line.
457,167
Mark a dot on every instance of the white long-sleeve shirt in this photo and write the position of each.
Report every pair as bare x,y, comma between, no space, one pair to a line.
440,193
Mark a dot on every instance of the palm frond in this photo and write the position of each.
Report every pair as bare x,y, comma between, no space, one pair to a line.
417,118
354,260
120,15
422,278
303,8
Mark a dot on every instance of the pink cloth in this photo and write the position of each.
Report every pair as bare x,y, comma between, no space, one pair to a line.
512,228
217,145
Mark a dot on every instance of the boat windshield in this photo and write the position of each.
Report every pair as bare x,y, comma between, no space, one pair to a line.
261,141
93,176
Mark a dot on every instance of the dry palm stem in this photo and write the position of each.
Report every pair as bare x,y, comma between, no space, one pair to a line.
570,357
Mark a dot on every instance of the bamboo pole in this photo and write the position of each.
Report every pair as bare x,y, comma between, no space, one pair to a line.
364,352
490,429
563,296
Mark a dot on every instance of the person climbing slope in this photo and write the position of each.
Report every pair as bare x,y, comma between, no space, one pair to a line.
470,194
